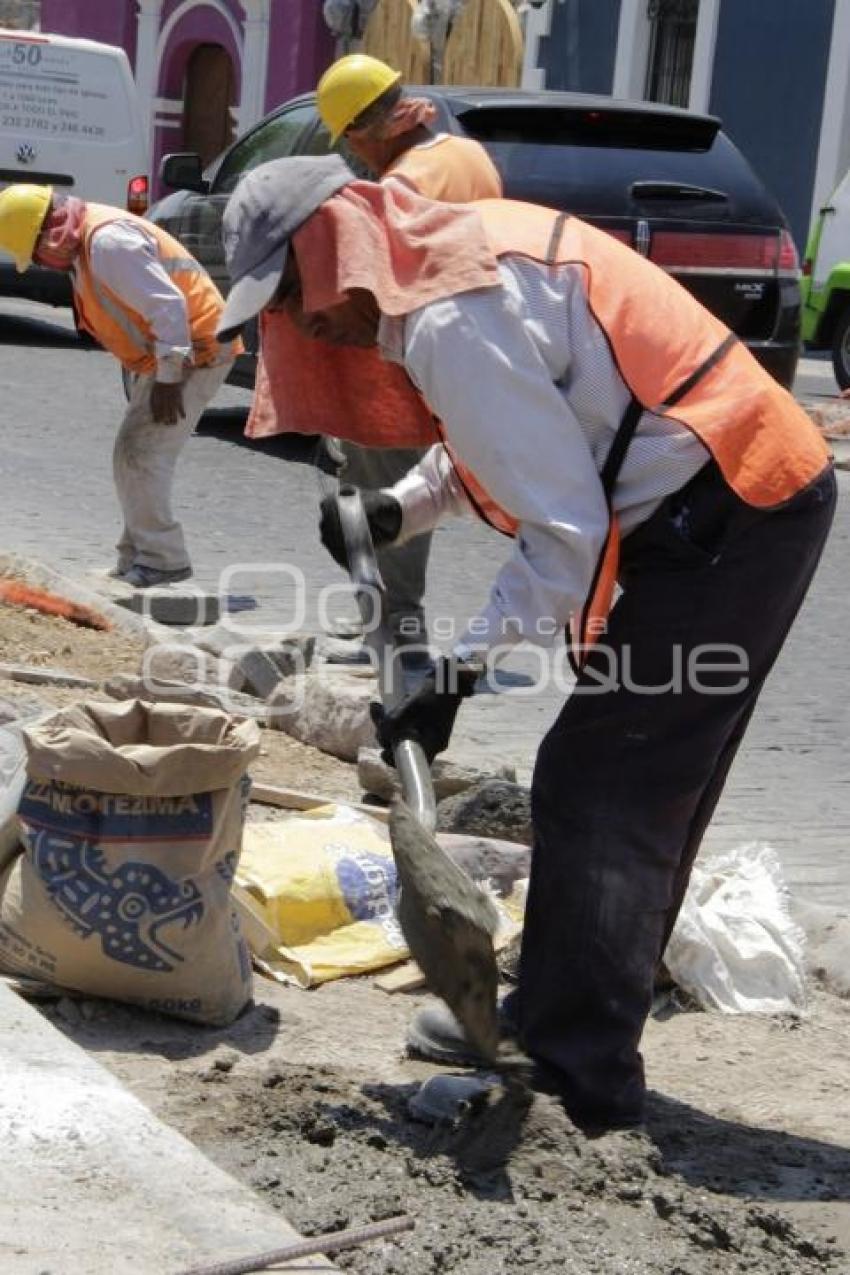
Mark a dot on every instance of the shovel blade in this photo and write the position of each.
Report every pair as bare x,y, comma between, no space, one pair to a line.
448,924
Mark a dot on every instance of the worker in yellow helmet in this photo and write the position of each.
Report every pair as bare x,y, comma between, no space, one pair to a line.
152,306
361,101
363,104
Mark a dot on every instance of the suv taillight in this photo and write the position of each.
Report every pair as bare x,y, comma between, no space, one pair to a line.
788,259
137,195
681,250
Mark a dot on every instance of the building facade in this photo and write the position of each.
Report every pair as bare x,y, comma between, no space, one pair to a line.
776,72
206,70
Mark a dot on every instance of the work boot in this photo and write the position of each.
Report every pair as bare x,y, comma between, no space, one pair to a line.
142,577
437,1035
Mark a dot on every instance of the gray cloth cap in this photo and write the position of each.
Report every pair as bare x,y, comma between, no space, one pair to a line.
264,211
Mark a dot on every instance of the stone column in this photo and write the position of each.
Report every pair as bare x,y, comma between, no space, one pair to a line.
255,57
147,34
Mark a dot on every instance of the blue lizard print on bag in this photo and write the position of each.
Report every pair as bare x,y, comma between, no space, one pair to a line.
126,907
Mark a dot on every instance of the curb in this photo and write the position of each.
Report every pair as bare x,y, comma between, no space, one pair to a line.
92,1183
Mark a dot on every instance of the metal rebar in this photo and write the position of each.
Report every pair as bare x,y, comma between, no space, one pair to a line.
317,1244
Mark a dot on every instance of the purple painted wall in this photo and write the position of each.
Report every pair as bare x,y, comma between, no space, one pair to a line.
111,21
300,47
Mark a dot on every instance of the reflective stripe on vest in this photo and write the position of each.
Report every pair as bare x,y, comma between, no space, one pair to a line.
132,330
123,330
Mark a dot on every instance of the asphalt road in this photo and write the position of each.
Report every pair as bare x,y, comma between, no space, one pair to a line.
245,506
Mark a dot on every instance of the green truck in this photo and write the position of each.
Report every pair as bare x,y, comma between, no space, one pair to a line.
826,283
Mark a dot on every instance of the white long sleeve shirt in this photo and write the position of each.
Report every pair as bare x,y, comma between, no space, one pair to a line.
123,255
530,398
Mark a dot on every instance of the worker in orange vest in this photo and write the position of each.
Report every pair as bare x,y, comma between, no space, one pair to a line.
147,301
596,412
363,105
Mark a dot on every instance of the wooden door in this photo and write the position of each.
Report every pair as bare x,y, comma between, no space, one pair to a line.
207,122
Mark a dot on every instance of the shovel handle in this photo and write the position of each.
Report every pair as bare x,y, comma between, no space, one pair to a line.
411,763
417,787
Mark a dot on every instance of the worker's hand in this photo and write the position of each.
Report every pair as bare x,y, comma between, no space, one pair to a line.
428,714
167,402
383,514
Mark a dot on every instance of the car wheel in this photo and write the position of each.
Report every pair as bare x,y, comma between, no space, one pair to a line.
841,350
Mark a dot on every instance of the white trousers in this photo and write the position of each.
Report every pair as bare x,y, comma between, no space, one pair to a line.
143,464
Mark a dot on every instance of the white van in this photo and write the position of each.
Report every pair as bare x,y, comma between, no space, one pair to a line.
70,118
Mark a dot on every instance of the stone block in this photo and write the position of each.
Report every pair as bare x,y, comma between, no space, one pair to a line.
170,605
501,863
290,653
181,662
259,671
327,708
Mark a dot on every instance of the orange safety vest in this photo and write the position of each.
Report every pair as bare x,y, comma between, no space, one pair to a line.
453,170
121,329
679,361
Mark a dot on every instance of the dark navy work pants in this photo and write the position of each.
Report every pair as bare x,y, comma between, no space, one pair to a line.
627,779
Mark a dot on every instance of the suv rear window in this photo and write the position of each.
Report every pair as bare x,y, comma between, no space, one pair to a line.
560,126
629,163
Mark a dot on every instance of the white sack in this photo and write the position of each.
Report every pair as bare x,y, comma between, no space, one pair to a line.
735,947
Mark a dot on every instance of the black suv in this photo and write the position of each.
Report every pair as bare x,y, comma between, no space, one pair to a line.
669,183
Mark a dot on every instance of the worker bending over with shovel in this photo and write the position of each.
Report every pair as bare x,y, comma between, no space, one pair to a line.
364,106
597,414
146,300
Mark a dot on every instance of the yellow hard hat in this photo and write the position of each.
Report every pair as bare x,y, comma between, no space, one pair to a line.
22,212
349,86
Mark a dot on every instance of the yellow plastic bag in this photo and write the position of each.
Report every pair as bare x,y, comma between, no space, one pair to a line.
316,896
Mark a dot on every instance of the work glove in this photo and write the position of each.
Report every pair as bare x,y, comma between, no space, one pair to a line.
383,514
427,715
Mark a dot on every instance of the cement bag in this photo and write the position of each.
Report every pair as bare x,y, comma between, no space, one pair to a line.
735,947
131,820
319,895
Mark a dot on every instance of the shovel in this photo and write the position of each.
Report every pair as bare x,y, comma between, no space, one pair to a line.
447,921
